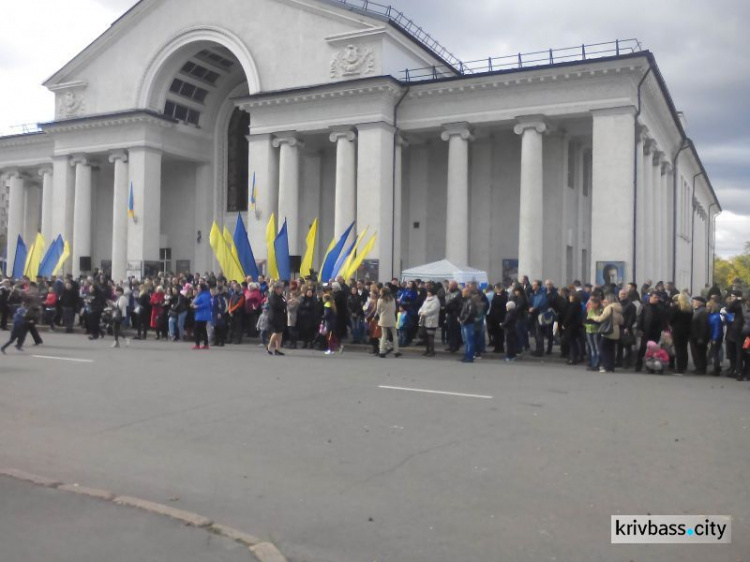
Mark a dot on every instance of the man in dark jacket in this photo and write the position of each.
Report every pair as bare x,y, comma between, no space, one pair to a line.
651,325
735,338
539,306
496,317
699,335
627,337
453,305
466,317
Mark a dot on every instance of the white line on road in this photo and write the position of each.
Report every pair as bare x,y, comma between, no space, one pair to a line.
63,359
437,392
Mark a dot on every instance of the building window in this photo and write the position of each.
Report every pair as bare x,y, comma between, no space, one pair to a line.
165,257
182,113
188,90
571,165
586,173
200,72
215,58
237,162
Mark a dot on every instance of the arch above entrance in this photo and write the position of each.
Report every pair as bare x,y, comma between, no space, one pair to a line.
149,88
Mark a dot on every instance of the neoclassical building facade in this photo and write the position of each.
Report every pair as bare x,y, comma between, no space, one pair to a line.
348,112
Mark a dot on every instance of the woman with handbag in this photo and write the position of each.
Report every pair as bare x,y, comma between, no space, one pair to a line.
429,314
609,322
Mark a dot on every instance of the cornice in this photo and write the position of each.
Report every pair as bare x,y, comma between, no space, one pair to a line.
357,34
68,85
24,140
107,121
518,78
298,97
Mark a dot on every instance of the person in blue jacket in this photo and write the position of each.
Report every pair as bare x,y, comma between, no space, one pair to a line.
538,306
716,333
202,306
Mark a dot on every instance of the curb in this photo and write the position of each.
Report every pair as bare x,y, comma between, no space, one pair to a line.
261,551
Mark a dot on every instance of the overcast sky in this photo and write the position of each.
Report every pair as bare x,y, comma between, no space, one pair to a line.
700,47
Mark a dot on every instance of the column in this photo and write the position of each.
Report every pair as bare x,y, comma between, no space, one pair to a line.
531,219
458,136
345,206
289,146
48,205
613,197
375,191
120,215
32,213
15,216
64,199
264,162
647,273
668,218
398,208
658,218
81,214
144,231
640,225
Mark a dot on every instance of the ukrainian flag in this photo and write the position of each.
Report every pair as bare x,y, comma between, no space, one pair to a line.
253,194
131,203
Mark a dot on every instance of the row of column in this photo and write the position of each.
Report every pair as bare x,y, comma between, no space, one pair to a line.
365,191
655,210
66,208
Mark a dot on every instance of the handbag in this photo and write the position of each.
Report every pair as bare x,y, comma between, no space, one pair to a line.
627,339
606,328
323,329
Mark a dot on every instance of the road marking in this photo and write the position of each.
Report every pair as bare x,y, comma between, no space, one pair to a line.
63,359
437,392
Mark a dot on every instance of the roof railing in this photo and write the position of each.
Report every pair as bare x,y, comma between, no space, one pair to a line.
548,57
23,129
406,24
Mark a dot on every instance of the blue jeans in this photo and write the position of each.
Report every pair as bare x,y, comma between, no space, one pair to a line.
593,344
467,332
173,327
181,323
479,338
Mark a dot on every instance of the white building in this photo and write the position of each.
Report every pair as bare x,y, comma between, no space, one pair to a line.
558,160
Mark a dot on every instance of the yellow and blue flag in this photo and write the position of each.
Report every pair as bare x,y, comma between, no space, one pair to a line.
131,203
244,250
272,270
307,261
20,260
354,266
253,195
63,259
281,250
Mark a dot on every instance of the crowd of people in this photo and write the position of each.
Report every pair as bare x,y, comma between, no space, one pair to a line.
655,327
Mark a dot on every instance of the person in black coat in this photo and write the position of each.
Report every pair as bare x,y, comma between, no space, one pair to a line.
734,336
496,317
651,324
277,318
512,348
680,318
340,298
571,323
700,335
627,335
308,318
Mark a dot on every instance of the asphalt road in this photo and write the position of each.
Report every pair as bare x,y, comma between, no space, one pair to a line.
309,452
45,525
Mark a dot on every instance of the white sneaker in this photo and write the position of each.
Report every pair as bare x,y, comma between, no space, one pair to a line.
116,344
328,352
341,349
127,342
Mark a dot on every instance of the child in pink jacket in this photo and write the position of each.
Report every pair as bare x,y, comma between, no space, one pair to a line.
657,359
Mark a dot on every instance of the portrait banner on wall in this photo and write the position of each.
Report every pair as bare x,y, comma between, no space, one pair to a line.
510,270
369,270
134,269
610,272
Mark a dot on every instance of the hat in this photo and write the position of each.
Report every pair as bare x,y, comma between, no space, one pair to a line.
336,286
737,294
652,345
510,305
700,299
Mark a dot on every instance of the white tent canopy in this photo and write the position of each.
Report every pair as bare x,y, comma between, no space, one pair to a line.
441,270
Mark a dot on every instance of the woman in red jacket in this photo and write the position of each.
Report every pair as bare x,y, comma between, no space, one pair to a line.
157,305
